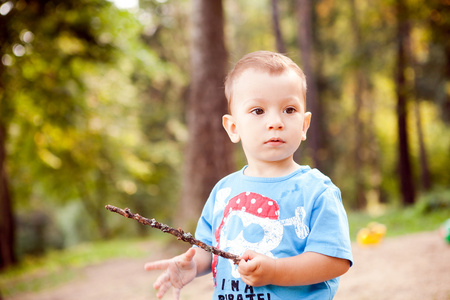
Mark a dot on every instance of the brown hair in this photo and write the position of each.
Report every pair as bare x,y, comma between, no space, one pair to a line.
266,61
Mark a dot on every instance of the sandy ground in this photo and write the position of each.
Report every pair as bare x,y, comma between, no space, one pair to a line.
410,267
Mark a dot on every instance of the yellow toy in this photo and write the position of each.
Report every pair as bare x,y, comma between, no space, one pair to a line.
371,235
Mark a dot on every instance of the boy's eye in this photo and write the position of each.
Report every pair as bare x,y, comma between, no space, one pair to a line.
257,111
290,110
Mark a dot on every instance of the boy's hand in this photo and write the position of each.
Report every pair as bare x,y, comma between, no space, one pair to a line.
180,270
257,269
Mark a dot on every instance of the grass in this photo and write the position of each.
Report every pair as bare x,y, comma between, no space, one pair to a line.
56,267
399,221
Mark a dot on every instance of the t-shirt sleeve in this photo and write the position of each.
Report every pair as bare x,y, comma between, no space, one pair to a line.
204,231
329,231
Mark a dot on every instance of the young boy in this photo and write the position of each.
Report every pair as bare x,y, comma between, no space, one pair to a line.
286,221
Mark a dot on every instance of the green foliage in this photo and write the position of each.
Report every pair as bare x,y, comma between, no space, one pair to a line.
428,214
93,117
36,231
434,201
248,27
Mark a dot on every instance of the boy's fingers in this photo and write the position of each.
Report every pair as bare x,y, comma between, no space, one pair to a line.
163,289
185,259
246,267
157,265
161,279
164,264
243,268
176,293
190,253
248,255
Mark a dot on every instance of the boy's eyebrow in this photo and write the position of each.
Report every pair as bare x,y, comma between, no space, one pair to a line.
255,100
262,99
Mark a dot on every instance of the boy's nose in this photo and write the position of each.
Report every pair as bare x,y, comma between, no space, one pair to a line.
275,122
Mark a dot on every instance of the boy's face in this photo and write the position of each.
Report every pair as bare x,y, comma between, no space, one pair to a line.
267,115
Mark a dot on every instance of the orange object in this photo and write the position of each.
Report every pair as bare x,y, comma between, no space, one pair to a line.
373,234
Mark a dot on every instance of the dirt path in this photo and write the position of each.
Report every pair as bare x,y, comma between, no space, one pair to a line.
411,267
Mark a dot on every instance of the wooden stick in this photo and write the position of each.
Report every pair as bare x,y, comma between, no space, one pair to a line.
179,233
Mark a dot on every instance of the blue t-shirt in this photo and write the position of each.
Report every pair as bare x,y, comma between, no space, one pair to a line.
278,217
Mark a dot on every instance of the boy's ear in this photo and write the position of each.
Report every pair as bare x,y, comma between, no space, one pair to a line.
230,127
306,123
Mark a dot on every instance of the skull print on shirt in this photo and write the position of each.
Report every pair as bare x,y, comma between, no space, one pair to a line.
251,222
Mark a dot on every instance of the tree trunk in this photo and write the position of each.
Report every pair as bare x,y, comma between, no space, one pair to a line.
7,227
424,166
440,29
359,139
208,151
281,48
360,86
404,164
306,42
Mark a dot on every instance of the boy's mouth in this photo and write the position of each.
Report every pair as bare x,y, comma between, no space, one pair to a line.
275,141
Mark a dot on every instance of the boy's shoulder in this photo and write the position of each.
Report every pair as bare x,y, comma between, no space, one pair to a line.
316,175
317,182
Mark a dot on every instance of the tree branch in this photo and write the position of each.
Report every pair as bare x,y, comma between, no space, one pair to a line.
179,233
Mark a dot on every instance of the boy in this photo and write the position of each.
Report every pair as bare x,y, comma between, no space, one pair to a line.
286,221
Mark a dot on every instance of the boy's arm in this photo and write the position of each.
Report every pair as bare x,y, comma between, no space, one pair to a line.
304,269
203,260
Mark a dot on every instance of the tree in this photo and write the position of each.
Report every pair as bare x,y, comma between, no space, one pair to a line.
423,157
41,44
439,20
306,45
7,226
71,87
281,48
208,151
404,165
410,45
360,85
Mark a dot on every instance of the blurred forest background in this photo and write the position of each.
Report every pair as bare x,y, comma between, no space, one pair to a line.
101,105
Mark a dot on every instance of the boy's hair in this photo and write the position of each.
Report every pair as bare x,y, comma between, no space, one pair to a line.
266,61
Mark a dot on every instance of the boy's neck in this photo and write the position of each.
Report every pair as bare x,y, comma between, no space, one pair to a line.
271,169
